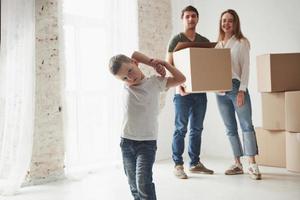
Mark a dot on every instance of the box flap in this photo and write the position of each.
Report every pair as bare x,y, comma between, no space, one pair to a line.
183,45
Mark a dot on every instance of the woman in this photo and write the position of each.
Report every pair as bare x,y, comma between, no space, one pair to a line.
237,100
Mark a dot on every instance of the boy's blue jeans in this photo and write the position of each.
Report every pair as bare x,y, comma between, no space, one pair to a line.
190,108
228,107
138,160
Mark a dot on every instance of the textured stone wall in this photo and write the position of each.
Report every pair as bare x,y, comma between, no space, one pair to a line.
48,147
155,29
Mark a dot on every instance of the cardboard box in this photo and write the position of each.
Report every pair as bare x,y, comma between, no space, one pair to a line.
205,69
292,111
271,147
293,151
278,72
273,110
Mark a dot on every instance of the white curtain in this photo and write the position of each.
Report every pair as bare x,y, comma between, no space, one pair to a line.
94,31
17,77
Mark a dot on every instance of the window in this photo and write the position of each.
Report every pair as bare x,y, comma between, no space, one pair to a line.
94,31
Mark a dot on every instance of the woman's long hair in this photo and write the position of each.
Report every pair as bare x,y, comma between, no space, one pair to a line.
237,32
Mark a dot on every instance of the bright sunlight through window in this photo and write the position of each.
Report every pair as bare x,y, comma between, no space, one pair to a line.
92,34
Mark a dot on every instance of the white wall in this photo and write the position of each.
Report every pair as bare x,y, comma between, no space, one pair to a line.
271,26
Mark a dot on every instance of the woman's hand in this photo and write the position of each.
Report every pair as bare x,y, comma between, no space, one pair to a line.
240,98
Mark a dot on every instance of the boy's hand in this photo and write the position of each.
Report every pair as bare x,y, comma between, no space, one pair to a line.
160,69
159,66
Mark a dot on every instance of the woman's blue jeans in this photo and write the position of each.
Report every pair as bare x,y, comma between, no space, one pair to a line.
138,160
188,109
228,108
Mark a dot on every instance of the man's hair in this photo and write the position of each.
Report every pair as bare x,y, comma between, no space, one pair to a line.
189,8
116,62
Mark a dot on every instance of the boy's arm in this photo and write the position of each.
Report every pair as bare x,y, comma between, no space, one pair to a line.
142,58
176,77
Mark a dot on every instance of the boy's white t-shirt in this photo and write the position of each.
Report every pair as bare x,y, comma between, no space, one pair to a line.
141,109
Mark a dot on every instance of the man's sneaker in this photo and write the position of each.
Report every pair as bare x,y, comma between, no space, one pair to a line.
254,172
200,168
234,170
179,172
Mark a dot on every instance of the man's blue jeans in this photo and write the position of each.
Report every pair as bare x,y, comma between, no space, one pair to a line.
138,160
188,109
228,107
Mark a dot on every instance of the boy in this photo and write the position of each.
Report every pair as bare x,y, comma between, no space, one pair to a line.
140,123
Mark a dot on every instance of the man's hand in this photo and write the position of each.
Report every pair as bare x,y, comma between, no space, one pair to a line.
240,98
182,91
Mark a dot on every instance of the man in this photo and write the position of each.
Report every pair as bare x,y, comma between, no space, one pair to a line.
189,108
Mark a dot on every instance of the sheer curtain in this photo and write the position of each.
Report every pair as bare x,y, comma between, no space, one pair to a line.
17,77
94,31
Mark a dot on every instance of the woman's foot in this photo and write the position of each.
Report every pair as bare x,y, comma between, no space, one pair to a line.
254,172
235,169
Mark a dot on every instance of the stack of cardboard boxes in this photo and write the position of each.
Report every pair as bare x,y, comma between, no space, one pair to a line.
209,69
279,83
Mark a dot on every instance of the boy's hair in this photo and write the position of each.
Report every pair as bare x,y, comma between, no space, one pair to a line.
116,62
189,8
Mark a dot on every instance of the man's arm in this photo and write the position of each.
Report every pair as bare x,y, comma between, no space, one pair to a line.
169,59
